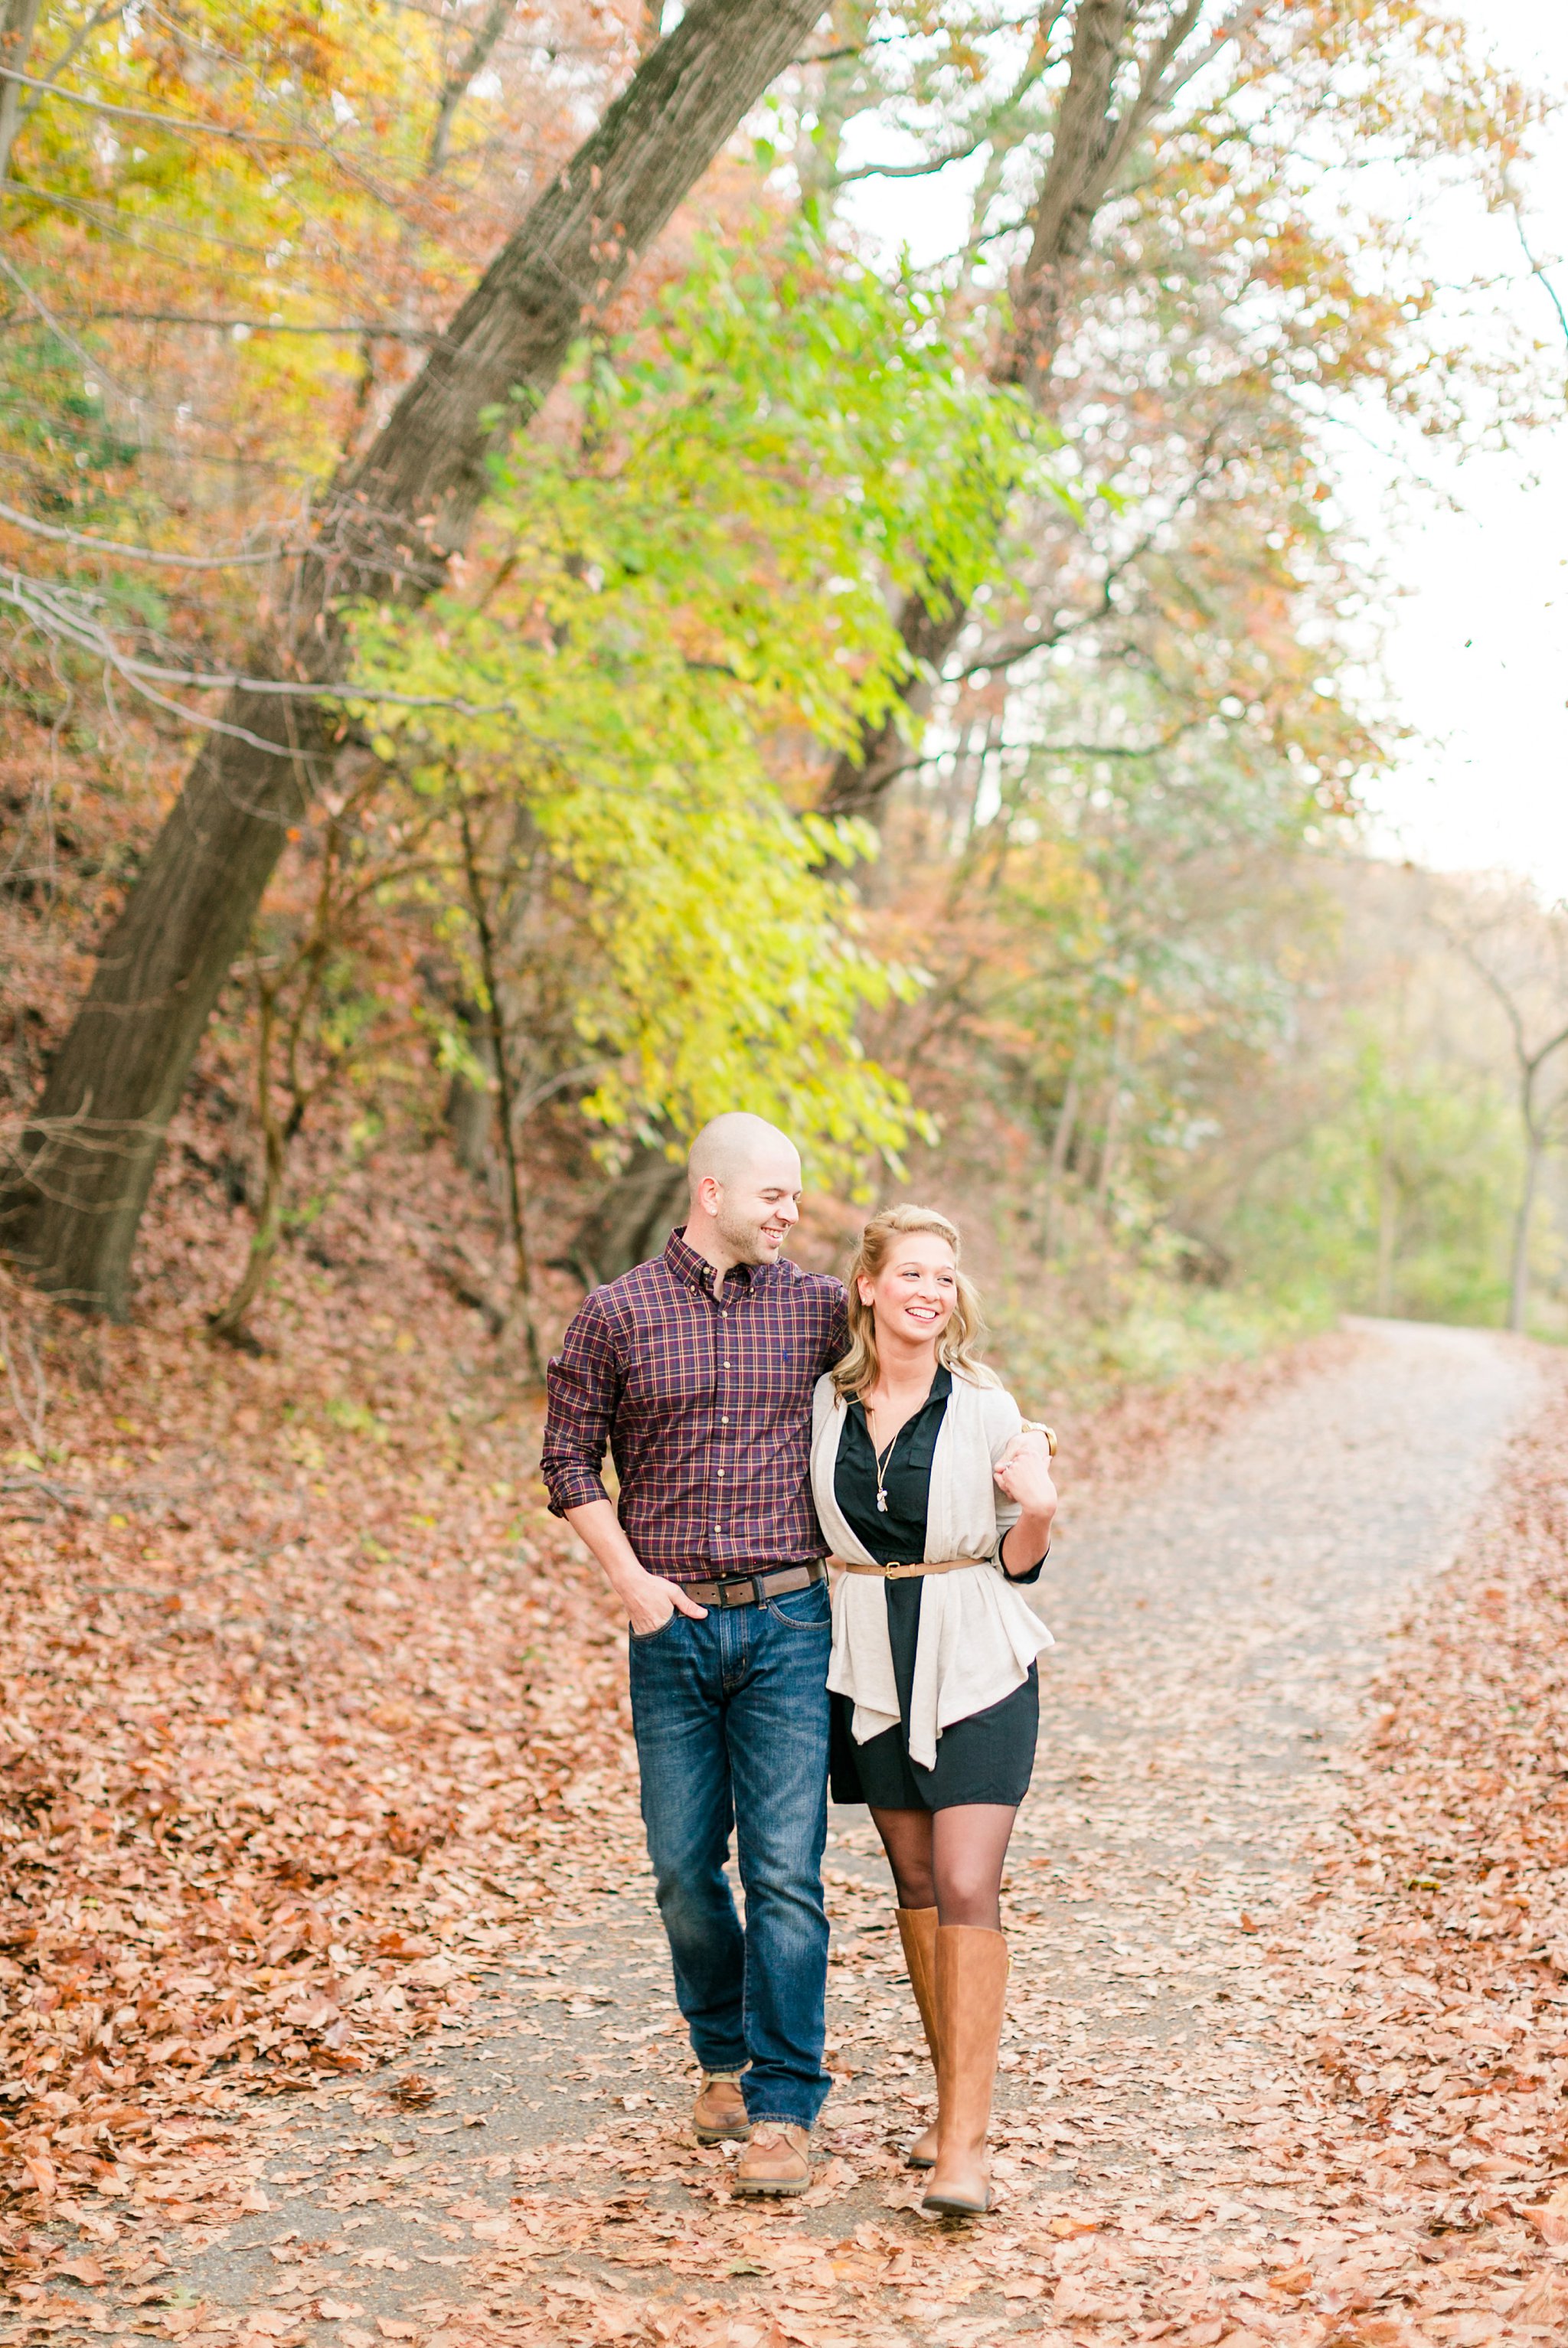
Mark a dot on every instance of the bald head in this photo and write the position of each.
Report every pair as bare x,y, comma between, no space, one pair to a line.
745,1181
733,1145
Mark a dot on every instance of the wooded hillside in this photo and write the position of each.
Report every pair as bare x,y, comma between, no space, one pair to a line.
524,627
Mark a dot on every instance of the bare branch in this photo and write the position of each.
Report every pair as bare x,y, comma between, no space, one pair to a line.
1112,749
352,329
1064,749
1212,461
911,171
144,553
100,16
1029,73
1489,978
64,613
1240,20
181,122
108,225
1538,270
455,87
1154,89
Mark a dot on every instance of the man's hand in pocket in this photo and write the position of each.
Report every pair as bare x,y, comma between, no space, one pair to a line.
650,1606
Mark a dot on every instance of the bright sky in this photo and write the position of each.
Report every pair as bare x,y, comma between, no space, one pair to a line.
1476,645
1475,564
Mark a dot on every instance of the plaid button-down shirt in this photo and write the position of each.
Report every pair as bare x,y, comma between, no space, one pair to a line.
705,1406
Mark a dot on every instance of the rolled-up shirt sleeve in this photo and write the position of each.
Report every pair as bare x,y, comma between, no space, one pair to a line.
582,1386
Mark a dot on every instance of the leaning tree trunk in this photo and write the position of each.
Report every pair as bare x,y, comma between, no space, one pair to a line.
70,1205
69,1208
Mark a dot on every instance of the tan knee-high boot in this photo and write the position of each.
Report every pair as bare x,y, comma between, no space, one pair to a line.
971,1992
917,1930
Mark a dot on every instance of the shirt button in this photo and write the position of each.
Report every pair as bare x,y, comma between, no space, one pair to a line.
723,1422
721,1475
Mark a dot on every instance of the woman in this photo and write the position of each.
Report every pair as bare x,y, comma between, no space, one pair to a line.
937,1501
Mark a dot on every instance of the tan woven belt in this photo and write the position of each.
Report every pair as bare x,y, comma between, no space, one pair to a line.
942,1564
906,1572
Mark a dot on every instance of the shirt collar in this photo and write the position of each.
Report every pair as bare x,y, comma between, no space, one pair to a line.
940,1392
697,1273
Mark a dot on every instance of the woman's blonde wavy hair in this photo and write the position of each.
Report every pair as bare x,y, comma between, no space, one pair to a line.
957,1348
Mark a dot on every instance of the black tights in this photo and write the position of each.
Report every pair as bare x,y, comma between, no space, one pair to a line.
951,1860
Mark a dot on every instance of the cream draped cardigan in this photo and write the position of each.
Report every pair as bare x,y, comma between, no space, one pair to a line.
978,1636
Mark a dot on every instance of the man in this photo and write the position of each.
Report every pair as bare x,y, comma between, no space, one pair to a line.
698,1370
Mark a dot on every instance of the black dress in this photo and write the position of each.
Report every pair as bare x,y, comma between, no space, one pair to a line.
987,1758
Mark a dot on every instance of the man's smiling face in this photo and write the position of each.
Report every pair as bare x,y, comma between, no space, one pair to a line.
757,1206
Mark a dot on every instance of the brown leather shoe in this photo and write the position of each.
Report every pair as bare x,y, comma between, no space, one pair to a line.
917,1930
776,2160
720,2111
971,1993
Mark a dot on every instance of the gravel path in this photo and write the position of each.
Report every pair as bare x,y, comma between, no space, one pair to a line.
1217,1633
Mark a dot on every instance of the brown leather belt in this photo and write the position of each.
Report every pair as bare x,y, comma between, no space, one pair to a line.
907,1572
751,1589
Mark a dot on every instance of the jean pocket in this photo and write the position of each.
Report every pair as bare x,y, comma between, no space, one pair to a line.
804,1610
646,1638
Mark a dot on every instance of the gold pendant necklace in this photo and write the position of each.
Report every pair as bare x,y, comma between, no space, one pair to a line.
882,1458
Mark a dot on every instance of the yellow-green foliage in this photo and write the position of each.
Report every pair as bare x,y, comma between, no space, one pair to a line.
689,603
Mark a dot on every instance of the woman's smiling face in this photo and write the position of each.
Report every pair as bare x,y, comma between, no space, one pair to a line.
914,1294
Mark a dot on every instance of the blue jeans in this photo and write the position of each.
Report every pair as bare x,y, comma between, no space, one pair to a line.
732,1721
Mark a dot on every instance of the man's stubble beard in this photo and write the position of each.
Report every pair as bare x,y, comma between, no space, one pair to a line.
743,1239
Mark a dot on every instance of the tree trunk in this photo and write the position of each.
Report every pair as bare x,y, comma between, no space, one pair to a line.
1061,1145
633,1218
475,58
1519,1272
1091,141
470,1108
1387,1231
1115,1104
18,23
229,1321
70,1204
69,1210
864,775
506,1099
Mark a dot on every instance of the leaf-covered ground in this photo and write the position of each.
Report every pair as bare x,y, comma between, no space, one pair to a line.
336,2008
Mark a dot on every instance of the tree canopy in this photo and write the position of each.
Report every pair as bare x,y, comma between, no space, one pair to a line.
632,670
